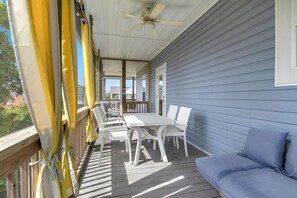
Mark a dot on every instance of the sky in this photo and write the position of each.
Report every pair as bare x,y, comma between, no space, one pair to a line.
80,63
8,32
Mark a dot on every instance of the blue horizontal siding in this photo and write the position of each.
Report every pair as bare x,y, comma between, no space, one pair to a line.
223,68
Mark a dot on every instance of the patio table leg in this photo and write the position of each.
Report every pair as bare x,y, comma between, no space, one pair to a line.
138,147
154,142
161,145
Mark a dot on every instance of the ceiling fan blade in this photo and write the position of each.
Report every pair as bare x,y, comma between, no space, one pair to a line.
156,11
130,15
155,33
169,22
133,27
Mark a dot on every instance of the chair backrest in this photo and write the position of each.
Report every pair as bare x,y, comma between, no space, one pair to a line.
98,117
183,116
104,109
102,114
172,112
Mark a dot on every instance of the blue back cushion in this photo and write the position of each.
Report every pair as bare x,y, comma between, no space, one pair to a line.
291,159
266,147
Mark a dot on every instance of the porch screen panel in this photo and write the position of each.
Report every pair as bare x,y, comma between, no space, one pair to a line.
35,32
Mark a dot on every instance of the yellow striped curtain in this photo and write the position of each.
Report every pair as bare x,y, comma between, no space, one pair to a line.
69,62
89,78
35,32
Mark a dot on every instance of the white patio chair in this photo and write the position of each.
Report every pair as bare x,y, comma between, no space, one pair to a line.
114,120
180,127
108,114
109,133
171,114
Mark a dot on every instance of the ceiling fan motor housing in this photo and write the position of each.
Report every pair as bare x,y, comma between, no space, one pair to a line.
149,5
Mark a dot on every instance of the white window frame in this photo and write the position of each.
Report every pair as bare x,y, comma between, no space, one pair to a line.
285,42
143,78
157,70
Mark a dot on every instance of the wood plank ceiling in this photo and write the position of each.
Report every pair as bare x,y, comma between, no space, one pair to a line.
110,37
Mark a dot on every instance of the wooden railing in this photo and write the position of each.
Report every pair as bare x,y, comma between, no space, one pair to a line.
137,107
18,149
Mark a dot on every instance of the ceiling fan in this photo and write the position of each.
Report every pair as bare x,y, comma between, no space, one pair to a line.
149,18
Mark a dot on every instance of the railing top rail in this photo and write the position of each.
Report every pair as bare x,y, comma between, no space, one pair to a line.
17,141
137,102
17,147
82,112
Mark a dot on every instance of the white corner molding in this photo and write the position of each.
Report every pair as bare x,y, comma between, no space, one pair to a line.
285,42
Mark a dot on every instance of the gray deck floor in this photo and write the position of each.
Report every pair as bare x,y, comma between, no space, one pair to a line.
151,178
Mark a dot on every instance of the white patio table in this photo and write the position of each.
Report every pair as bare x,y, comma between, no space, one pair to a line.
139,122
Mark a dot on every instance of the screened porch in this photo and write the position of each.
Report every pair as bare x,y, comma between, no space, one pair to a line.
223,60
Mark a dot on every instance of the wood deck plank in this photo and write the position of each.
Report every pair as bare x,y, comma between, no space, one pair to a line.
151,178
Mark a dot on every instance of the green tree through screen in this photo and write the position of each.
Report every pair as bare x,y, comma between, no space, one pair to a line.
9,77
12,118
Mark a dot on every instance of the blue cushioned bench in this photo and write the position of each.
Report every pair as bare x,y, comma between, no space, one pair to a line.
259,171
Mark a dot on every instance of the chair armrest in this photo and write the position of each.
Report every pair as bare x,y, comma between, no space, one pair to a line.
114,122
181,127
115,118
114,128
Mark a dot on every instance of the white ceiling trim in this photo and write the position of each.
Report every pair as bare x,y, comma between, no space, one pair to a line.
114,67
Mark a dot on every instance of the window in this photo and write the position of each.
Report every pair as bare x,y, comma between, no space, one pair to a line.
81,79
143,87
115,96
111,88
285,42
130,88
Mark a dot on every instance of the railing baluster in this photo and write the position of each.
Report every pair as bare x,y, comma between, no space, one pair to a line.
80,149
34,174
84,133
137,107
24,172
11,182
76,142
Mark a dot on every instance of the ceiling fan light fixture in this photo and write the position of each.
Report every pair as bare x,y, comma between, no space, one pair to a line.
149,18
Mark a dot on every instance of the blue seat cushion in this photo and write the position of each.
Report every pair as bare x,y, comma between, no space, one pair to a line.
291,159
266,147
258,183
213,168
